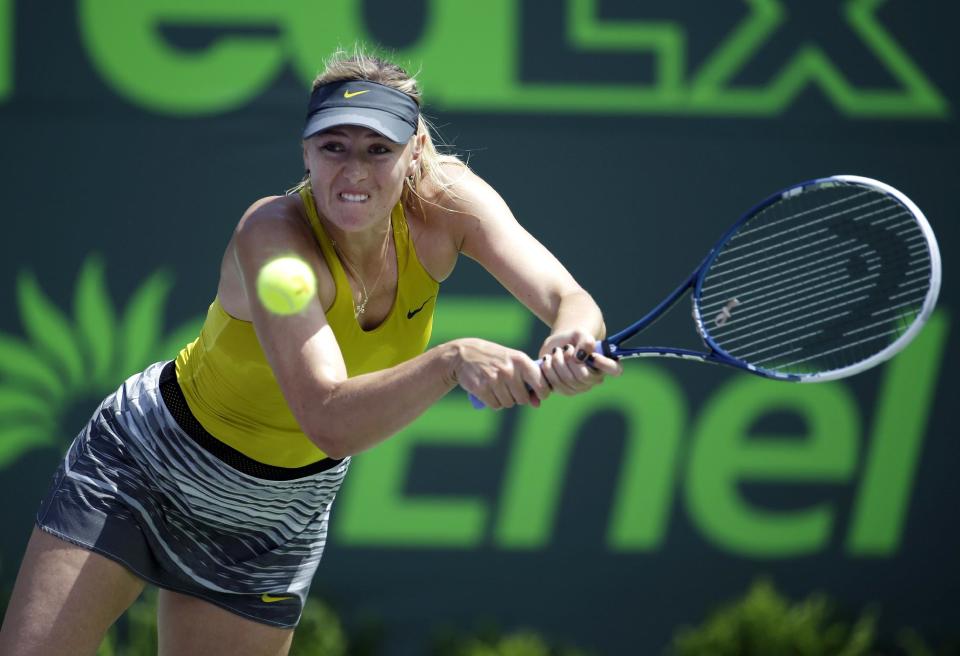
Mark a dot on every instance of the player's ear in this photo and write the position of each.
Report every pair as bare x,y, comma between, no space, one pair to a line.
417,145
306,165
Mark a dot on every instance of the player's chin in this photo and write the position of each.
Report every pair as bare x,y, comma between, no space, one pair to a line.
355,219
354,215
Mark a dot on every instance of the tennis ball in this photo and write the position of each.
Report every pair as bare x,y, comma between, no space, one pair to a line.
285,285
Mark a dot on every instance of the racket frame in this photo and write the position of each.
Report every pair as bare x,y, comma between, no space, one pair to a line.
611,346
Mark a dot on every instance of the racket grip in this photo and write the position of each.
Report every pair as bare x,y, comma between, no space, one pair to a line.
603,348
480,405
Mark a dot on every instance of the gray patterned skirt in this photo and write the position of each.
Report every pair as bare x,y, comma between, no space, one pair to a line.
153,491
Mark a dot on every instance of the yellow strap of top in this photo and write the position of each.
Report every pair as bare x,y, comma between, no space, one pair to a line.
364,350
231,389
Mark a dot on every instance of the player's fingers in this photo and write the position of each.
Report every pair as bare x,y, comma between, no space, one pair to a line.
549,375
583,366
547,365
534,381
584,378
577,375
488,398
512,381
519,392
579,339
604,365
504,397
584,346
562,361
562,377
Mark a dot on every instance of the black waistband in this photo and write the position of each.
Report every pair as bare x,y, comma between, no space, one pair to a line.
177,405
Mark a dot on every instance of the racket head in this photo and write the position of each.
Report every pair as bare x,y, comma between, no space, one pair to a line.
820,281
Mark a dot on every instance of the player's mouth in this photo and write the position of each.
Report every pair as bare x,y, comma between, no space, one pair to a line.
353,197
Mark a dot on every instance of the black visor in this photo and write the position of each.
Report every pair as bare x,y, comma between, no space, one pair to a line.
385,110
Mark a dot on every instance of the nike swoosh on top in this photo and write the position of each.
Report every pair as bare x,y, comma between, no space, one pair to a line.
351,94
267,599
411,313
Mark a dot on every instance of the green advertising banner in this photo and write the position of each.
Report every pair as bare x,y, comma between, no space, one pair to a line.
626,136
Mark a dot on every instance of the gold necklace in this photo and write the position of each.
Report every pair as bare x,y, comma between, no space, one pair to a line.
361,307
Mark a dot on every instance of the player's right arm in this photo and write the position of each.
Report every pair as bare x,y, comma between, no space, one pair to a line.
344,415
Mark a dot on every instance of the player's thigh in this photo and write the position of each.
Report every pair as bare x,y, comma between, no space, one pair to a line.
64,600
189,626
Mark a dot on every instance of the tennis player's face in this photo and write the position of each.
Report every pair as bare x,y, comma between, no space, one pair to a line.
356,175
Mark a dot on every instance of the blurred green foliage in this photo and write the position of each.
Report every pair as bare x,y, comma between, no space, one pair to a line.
136,633
764,622
320,632
491,642
761,623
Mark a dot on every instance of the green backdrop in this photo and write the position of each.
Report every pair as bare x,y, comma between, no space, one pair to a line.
626,136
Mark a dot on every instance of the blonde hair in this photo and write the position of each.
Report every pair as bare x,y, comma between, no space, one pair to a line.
361,65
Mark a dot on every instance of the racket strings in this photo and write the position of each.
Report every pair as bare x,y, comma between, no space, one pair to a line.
782,354
805,228
811,309
764,276
775,252
817,281
769,295
804,273
830,274
793,217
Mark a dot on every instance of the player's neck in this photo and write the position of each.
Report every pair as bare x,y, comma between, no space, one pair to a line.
364,251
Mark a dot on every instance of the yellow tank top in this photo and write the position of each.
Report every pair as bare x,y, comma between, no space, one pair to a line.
231,389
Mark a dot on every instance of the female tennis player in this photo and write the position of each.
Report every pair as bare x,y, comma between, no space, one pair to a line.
212,476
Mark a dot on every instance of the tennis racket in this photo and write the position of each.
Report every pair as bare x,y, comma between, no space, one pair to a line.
819,281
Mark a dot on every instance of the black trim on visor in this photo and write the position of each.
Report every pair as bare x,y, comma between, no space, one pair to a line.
392,113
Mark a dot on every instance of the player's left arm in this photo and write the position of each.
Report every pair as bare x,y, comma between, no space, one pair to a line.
487,231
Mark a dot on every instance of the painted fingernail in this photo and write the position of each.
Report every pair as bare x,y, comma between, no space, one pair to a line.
589,359
556,348
581,355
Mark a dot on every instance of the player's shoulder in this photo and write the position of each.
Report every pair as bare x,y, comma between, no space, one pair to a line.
272,225
276,208
273,214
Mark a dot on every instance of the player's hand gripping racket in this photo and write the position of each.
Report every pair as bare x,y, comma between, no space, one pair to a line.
820,281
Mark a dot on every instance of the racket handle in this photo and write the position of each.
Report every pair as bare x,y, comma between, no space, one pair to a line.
603,348
480,405
599,347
